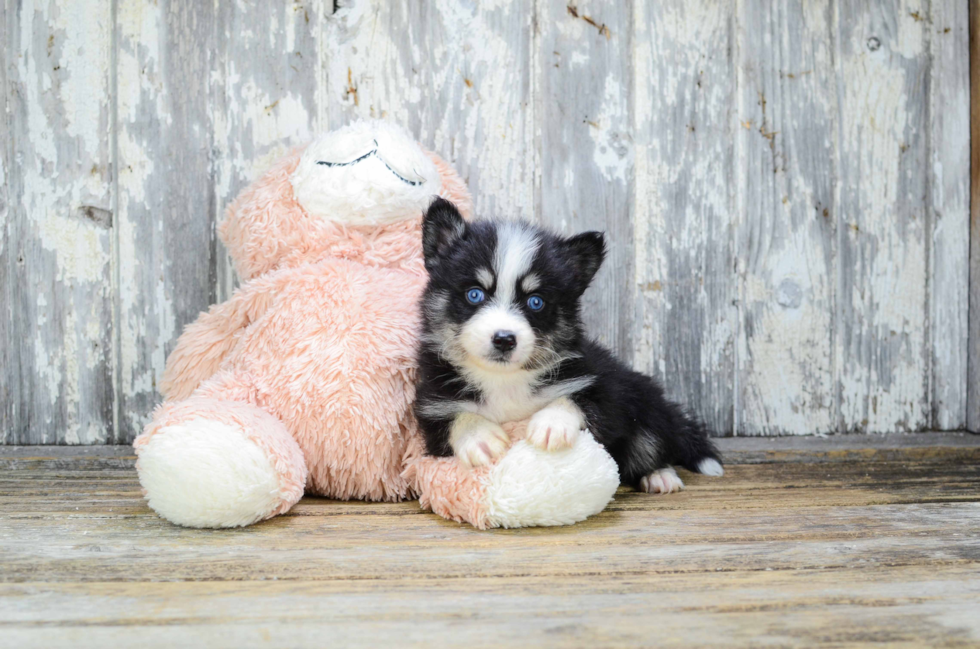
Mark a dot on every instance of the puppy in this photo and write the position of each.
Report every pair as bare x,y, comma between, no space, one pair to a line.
502,340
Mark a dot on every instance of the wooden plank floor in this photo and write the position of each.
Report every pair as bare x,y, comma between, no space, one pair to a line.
836,541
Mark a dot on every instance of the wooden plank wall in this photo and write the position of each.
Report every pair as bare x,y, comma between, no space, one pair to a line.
784,184
57,250
973,353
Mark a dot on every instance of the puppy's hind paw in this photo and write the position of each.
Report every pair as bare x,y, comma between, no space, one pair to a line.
662,481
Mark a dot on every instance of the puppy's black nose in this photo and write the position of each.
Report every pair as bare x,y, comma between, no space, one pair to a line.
504,341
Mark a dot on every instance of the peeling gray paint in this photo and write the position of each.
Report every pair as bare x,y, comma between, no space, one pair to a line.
583,105
57,316
784,185
685,289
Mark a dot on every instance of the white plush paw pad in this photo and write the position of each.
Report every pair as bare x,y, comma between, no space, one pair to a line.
207,474
662,481
531,487
709,466
482,444
553,429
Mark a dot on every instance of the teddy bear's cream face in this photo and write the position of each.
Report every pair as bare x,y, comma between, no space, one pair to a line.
367,173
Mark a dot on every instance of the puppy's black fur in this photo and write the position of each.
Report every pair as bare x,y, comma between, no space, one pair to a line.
625,411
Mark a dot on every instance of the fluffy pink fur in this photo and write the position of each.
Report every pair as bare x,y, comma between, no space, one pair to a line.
267,229
314,356
447,489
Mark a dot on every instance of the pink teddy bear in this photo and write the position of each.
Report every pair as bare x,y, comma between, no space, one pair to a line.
303,381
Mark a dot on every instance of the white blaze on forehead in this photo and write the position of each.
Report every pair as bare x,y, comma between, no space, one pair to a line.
516,247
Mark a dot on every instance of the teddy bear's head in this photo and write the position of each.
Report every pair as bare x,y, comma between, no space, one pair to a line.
355,193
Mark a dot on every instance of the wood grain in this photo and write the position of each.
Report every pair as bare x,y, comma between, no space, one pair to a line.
879,545
973,383
7,285
882,235
264,94
783,185
166,245
947,213
456,75
776,484
57,327
903,606
583,113
785,238
686,316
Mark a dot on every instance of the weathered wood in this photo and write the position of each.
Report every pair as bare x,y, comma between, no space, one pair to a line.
833,549
642,535
7,285
264,96
457,76
583,82
128,126
55,260
948,211
776,481
167,259
686,317
904,606
931,445
730,608
835,448
973,382
785,236
882,235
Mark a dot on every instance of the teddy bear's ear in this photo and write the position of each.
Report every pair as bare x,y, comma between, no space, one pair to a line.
442,226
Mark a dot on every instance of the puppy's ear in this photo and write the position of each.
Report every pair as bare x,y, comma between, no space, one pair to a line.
585,252
442,226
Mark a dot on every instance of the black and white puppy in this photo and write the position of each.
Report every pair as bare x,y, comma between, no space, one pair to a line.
502,340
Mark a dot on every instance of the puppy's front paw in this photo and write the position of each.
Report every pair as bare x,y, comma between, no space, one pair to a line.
478,442
555,427
662,481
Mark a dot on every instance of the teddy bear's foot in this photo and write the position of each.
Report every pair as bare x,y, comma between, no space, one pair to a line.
212,463
527,487
533,487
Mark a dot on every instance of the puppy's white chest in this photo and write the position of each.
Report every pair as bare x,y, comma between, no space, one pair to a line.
507,398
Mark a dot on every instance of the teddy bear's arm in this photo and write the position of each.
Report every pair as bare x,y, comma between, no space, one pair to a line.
205,342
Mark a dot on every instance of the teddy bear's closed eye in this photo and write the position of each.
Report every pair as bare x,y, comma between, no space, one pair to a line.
376,154
367,174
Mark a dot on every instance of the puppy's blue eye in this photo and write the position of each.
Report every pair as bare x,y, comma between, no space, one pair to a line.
475,296
535,303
